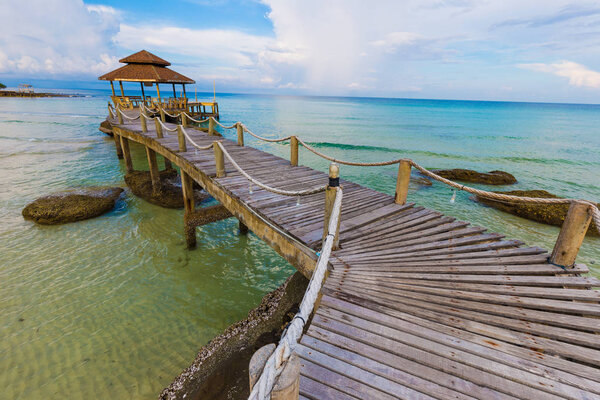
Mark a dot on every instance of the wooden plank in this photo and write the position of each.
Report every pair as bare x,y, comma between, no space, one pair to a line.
359,374
335,326
322,383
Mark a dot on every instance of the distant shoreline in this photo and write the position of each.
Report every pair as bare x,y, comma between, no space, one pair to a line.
12,93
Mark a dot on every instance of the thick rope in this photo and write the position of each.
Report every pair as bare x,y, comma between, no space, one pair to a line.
129,118
166,113
223,126
267,187
276,362
196,145
358,164
264,138
165,127
200,121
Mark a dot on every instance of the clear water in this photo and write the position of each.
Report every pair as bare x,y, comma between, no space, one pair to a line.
115,307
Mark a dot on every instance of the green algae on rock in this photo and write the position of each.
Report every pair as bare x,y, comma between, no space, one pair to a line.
468,175
220,370
71,206
551,214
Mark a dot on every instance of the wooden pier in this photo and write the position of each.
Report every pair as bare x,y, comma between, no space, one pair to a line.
417,305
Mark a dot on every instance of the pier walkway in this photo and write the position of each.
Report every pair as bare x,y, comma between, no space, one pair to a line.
416,304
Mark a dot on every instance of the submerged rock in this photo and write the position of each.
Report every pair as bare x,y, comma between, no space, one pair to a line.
170,194
71,206
220,370
468,175
551,214
106,127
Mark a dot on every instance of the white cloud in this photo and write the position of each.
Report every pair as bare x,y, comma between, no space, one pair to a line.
577,74
51,38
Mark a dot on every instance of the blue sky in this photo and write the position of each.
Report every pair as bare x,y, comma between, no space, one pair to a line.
453,49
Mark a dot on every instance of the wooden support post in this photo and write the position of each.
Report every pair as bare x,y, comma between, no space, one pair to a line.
153,166
211,126
181,138
158,92
174,92
143,94
118,145
330,194
163,118
294,151
184,122
187,186
122,92
571,234
168,165
127,154
119,115
402,181
143,121
113,88
240,134
159,132
219,160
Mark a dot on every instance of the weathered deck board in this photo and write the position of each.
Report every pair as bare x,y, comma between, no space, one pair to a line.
418,304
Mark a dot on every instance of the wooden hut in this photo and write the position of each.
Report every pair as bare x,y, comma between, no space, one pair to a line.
149,69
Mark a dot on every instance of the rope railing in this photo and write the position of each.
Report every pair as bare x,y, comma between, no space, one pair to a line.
223,126
264,138
267,187
196,145
165,127
199,121
289,339
423,170
126,116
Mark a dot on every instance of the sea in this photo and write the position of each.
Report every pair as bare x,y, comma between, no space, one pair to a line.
115,307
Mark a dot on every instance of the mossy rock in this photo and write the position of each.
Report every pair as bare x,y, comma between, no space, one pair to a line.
106,127
551,214
170,194
71,206
468,175
220,370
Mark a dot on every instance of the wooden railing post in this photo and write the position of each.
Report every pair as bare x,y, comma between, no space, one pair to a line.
184,122
211,126
240,134
181,139
159,132
143,121
402,181
119,115
163,118
257,363
571,234
219,160
294,151
330,193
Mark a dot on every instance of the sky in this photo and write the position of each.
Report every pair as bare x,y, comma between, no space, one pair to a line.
513,50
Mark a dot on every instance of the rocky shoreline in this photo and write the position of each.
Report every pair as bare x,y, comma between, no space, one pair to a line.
220,370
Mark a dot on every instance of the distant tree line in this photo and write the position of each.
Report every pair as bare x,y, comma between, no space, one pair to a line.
2,86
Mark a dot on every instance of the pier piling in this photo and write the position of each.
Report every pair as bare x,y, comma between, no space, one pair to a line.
153,166
127,154
330,193
117,139
294,151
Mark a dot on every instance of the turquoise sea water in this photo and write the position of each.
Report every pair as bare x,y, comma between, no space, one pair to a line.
115,307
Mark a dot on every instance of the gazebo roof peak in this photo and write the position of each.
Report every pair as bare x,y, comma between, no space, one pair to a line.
144,57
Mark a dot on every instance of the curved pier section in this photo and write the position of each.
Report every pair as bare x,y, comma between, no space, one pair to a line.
414,304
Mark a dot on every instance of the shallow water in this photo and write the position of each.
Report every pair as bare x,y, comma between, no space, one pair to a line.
115,307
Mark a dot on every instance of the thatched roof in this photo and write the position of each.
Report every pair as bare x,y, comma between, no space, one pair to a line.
144,57
144,66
